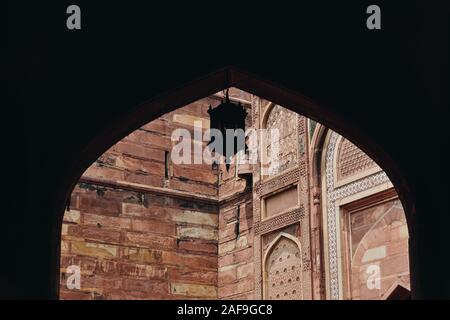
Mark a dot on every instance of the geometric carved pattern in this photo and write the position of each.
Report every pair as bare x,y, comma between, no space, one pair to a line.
301,125
279,221
255,111
333,194
352,160
284,271
296,175
278,182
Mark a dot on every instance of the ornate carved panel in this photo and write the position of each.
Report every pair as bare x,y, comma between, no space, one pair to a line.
278,182
270,227
351,160
279,221
281,201
284,271
333,194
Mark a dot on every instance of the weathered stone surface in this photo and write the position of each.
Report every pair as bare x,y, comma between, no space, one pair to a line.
196,261
374,254
72,216
227,247
380,236
230,290
193,290
153,226
196,217
108,221
142,255
65,246
94,249
147,240
227,275
193,245
152,286
180,183
195,232
94,233
102,206
190,120
245,270
64,229
135,237
143,271
193,276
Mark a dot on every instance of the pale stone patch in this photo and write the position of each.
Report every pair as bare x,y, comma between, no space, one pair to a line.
403,232
231,245
94,249
119,162
229,267
147,271
227,247
196,217
64,246
245,270
189,120
192,232
72,216
142,255
374,254
242,242
132,209
193,290
64,229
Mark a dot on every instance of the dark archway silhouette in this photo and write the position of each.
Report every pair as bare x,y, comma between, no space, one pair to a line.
68,91
217,81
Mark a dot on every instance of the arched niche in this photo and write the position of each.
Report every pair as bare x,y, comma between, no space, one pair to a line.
283,269
339,197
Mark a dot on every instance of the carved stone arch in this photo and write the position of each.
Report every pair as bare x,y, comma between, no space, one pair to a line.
282,263
265,113
351,163
334,196
385,220
316,150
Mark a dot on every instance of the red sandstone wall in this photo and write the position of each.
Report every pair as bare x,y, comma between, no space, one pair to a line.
235,262
129,229
139,234
379,238
235,258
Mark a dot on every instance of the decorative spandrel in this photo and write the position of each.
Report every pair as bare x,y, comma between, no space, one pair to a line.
284,271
